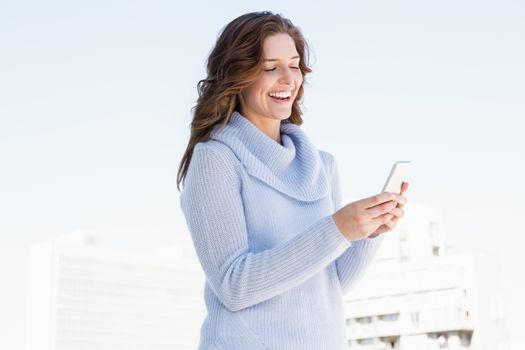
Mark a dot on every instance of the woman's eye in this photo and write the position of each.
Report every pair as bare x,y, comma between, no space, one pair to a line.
269,70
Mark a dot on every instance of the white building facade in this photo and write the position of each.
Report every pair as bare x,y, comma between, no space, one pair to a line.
415,296
418,296
82,296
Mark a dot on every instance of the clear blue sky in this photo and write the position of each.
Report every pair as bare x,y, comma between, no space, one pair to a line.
95,102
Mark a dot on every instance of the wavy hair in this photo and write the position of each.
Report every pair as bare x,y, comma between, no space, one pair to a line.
235,62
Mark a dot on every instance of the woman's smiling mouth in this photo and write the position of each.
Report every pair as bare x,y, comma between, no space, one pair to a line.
281,97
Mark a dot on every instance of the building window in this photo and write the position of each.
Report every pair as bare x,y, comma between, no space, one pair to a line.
366,341
442,341
465,338
438,340
434,230
364,320
388,343
414,316
389,317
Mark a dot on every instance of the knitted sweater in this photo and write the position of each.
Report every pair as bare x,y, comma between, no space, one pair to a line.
260,218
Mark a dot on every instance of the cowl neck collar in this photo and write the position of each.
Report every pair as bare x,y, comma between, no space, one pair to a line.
294,168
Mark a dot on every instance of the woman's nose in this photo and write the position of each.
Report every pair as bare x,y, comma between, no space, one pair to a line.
286,78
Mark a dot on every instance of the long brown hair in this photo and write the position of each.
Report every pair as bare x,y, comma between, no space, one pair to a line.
234,63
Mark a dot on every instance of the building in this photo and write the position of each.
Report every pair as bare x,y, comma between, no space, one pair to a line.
82,296
419,295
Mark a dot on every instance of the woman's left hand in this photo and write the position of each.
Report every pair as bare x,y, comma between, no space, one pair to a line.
397,212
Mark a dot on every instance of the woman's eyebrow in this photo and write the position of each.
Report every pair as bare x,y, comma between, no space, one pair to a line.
276,59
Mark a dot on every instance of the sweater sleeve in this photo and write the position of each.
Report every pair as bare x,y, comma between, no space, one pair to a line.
353,263
212,204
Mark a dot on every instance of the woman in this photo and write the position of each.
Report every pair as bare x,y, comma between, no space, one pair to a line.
263,204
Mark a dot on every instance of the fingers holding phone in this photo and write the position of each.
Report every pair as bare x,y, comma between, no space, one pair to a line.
354,220
396,182
369,217
402,202
357,220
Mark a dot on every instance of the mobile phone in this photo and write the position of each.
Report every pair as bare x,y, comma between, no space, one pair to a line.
398,174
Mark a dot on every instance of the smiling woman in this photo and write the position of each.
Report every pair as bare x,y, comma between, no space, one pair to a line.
259,200
256,54
269,99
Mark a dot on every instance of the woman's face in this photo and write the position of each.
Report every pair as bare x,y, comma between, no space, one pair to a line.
281,78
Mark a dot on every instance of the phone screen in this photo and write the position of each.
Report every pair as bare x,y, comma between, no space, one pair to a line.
398,174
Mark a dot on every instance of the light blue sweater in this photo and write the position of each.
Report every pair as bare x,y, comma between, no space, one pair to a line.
260,217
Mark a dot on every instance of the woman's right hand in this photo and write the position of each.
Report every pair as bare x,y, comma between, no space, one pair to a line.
358,220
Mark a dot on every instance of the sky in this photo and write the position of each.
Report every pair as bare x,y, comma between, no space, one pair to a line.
95,102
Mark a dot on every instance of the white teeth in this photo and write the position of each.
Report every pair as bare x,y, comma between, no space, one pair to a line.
281,94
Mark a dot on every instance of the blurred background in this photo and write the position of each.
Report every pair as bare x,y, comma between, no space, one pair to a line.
95,102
